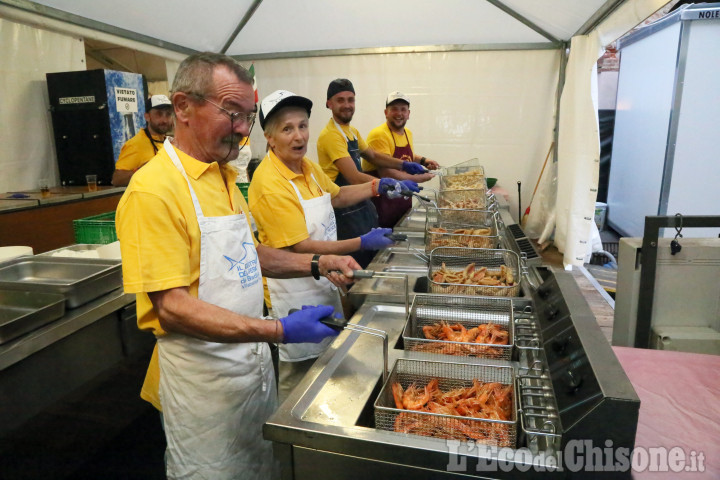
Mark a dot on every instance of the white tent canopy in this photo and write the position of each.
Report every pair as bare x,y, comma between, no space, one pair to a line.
483,76
242,27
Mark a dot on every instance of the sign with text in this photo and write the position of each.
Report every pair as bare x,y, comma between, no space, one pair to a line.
75,100
126,100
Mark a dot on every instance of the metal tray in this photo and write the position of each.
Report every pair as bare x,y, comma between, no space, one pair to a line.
23,311
78,279
78,248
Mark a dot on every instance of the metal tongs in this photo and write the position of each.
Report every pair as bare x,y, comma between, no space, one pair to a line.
402,237
340,324
417,195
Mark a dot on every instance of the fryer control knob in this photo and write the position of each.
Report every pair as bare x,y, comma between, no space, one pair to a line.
560,345
573,381
551,313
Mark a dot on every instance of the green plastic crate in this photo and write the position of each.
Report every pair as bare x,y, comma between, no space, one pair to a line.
244,189
98,229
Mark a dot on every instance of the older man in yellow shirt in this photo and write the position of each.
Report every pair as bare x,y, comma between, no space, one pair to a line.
189,254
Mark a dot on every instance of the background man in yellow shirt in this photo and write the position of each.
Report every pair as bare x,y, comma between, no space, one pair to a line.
340,148
145,144
394,139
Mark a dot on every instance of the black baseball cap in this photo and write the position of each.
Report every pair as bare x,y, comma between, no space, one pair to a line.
339,85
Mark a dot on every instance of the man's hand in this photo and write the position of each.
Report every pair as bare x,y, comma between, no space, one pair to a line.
338,269
412,168
304,325
390,187
409,186
422,178
431,164
376,239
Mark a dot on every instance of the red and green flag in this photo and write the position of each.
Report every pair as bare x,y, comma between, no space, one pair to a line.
254,85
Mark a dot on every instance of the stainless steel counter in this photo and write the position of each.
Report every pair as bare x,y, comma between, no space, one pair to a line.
71,322
331,410
326,428
43,366
330,413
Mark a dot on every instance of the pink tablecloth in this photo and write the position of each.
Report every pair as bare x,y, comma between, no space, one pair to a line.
680,406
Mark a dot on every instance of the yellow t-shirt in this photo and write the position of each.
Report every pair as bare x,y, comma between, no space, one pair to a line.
137,151
274,204
332,146
381,138
160,237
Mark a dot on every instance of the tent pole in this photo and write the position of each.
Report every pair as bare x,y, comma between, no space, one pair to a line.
246,18
561,85
523,20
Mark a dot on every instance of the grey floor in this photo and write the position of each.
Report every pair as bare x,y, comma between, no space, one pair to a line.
102,431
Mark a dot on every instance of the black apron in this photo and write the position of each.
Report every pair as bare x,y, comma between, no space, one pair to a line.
390,211
357,219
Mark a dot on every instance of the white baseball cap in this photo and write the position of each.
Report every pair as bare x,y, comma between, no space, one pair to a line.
395,96
278,99
157,101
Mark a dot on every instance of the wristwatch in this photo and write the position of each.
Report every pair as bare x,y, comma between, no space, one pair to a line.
315,266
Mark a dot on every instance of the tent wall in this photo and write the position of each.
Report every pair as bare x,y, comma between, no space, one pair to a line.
497,106
26,146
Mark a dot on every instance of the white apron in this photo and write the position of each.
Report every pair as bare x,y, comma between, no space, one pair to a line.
296,292
217,396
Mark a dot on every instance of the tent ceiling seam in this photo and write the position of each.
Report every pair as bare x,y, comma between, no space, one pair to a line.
391,50
523,20
246,18
60,15
600,14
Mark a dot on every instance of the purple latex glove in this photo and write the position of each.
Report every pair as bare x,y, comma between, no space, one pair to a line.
390,187
410,185
375,239
304,325
413,168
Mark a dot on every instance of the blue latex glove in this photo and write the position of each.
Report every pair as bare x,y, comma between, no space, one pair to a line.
304,326
410,185
413,168
375,239
390,187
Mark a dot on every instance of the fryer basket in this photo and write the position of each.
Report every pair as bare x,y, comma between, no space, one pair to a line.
471,166
474,199
460,219
457,258
467,311
500,433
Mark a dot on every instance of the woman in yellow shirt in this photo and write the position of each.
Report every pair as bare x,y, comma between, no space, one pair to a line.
292,200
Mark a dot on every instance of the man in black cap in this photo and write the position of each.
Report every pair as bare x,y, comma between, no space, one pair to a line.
395,139
142,147
340,148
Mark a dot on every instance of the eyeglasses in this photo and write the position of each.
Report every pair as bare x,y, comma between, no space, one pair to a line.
248,118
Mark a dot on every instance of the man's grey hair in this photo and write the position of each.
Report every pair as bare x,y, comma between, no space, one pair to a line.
195,73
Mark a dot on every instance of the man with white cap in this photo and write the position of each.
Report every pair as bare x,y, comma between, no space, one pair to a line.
145,144
340,148
394,139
